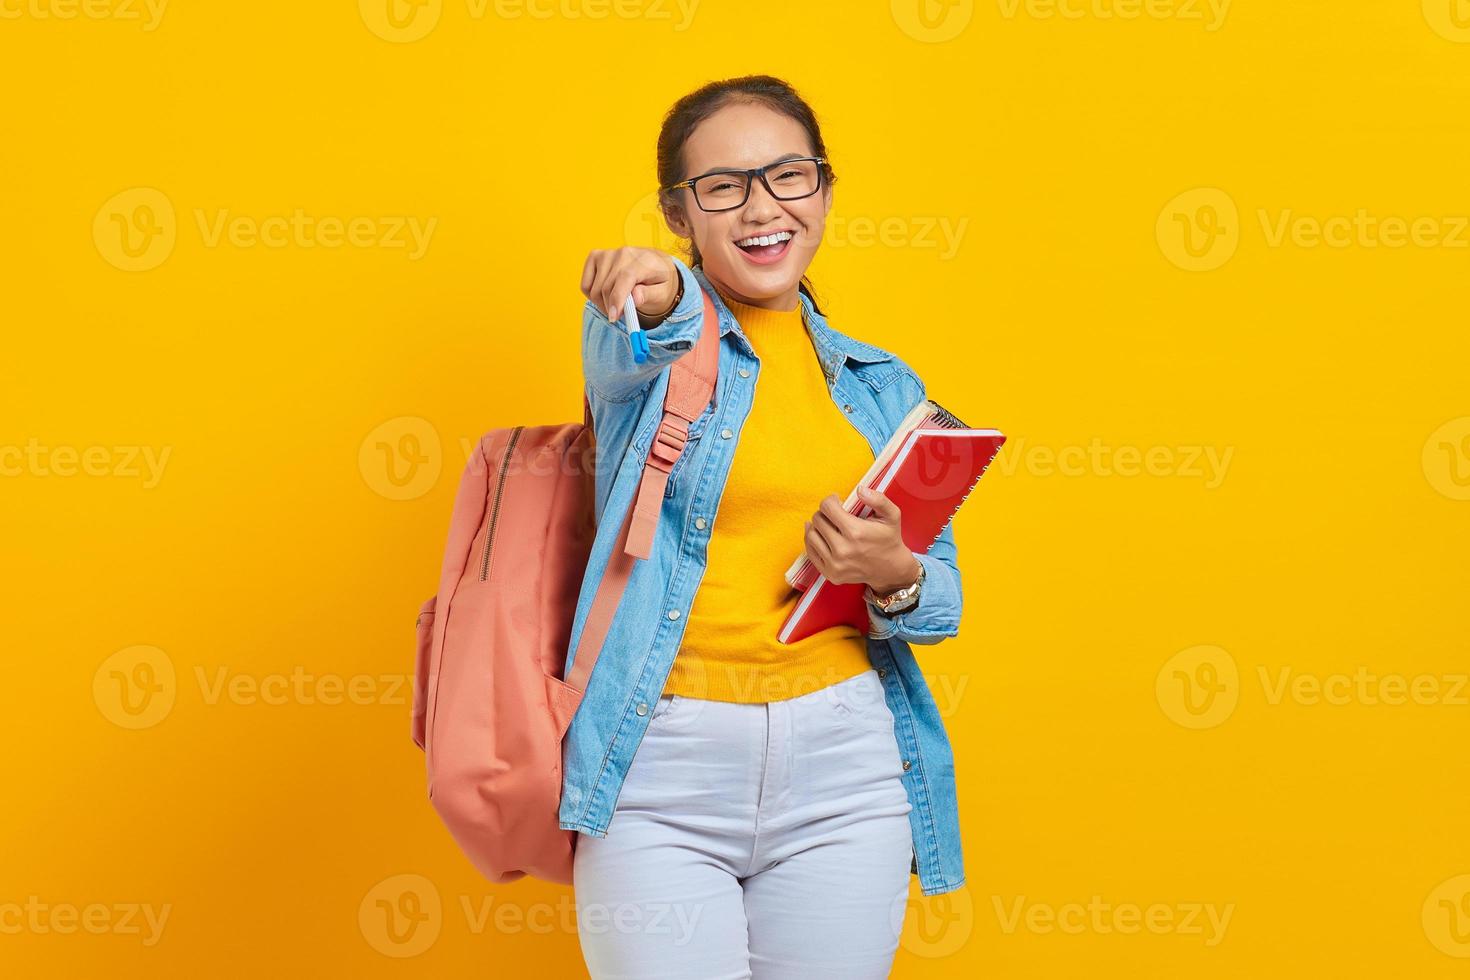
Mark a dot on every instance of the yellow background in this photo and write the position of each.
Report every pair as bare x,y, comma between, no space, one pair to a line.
1114,695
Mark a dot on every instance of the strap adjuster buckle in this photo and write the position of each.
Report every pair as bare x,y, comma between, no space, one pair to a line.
668,443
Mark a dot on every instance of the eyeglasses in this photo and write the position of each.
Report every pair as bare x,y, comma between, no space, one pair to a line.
724,190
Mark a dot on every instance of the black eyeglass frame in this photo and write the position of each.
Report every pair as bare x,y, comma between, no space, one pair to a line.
750,177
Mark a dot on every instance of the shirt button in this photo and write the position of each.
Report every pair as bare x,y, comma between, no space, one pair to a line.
642,708
673,614
907,765
882,671
744,373
725,433
847,408
700,523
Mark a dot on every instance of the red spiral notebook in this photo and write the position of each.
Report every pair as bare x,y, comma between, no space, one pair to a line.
928,468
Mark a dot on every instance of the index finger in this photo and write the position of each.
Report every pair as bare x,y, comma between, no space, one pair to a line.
832,507
589,271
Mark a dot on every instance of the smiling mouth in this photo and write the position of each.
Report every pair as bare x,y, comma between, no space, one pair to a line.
766,248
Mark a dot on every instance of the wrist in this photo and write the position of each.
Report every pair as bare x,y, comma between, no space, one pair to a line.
907,575
648,321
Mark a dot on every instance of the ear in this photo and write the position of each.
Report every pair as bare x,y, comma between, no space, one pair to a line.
826,199
676,219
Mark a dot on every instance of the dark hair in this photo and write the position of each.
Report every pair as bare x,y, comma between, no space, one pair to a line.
704,102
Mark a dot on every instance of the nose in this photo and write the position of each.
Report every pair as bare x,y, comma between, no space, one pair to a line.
760,206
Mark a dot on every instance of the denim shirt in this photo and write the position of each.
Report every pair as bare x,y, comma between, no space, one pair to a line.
873,390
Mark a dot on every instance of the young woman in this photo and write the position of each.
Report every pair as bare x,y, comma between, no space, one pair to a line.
762,818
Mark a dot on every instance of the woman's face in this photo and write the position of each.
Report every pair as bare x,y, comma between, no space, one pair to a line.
741,136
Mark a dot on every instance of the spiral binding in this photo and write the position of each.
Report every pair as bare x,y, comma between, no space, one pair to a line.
944,418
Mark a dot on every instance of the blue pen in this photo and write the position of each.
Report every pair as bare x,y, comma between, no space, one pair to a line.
635,331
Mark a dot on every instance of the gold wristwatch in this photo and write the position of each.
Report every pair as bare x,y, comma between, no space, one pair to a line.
903,600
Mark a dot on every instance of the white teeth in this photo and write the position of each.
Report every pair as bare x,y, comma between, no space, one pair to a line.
780,236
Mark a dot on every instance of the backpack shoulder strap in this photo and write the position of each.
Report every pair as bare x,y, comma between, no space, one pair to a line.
692,380
691,386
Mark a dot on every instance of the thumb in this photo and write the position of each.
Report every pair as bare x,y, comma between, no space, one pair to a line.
884,509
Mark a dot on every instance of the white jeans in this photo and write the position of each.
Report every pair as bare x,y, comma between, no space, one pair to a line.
753,841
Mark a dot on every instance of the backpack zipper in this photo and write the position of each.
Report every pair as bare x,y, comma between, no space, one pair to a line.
510,448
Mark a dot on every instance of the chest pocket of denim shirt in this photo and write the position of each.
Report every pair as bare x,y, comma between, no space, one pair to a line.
696,430
877,375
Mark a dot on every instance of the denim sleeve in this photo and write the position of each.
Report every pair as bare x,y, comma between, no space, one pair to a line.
607,353
940,600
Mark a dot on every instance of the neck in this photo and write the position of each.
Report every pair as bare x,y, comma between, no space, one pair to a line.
783,303
778,333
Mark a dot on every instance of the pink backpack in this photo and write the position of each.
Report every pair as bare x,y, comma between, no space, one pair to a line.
490,706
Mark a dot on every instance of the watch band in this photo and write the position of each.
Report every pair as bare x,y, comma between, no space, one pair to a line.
896,602
678,295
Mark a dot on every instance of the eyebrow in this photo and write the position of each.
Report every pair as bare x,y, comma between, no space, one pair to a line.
725,170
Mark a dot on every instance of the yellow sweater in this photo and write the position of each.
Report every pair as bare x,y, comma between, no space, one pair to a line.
795,448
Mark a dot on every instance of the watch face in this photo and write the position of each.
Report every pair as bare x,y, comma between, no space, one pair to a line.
900,604
898,601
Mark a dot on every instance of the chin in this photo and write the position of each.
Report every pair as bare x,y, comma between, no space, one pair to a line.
764,287
755,282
